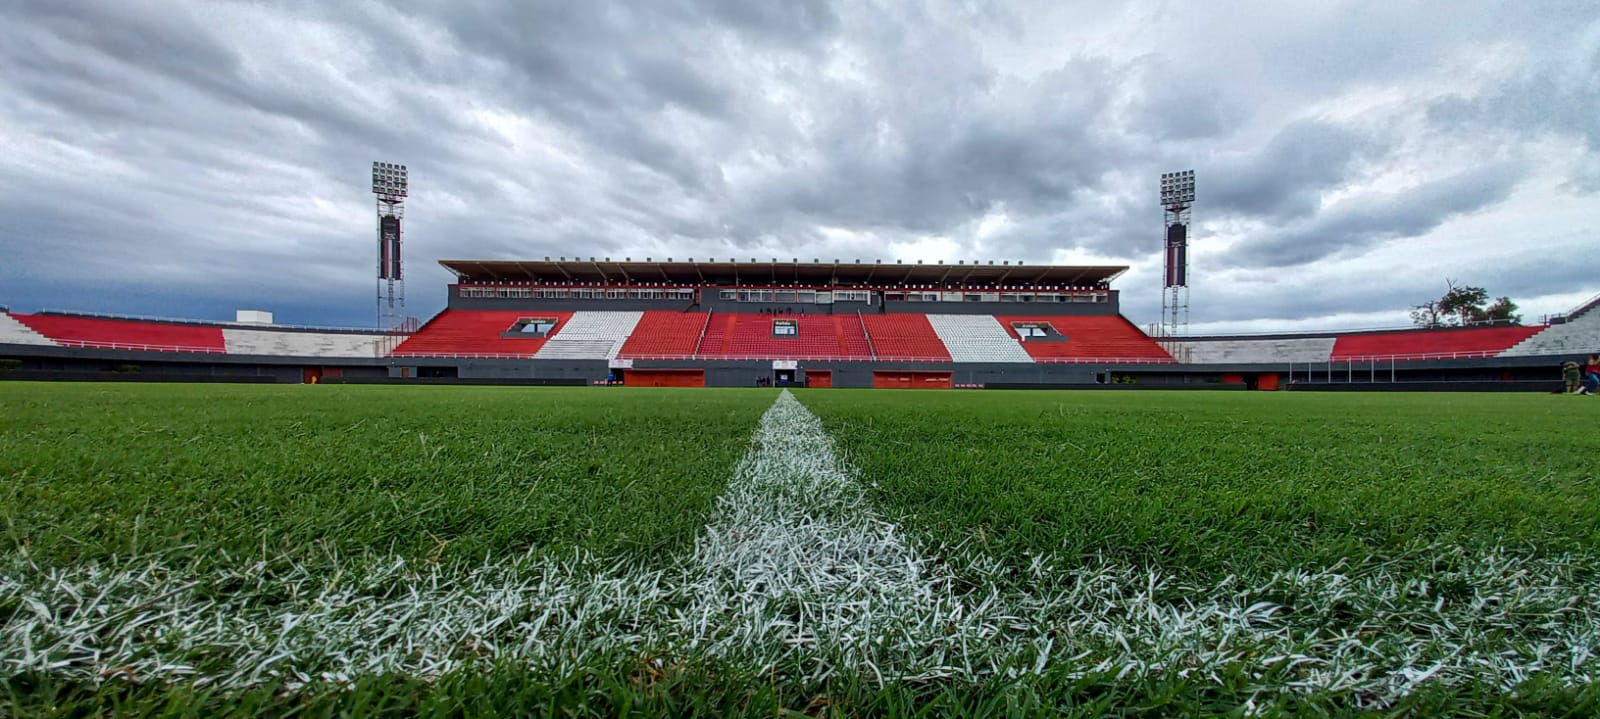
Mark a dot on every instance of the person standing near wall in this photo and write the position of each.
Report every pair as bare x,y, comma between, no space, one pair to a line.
1591,375
1571,376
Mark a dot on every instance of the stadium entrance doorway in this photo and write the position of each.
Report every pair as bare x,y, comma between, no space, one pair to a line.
314,375
783,377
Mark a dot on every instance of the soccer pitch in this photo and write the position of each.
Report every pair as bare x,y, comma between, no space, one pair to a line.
260,550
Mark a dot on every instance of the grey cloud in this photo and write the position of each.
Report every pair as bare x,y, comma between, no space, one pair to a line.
1364,221
1286,178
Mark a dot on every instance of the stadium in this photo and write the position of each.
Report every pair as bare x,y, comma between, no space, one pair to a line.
813,323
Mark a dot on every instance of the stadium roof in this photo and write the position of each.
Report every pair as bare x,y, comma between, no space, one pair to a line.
841,274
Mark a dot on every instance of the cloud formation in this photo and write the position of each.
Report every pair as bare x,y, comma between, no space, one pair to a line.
193,157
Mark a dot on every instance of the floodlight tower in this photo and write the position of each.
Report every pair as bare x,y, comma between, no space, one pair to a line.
1177,199
389,184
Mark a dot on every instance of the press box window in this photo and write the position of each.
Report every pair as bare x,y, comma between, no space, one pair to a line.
1028,330
534,327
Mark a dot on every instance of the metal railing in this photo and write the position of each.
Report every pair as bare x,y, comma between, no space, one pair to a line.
764,357
1462,354
1374,368
1105,360
462,355
1584,307
137,347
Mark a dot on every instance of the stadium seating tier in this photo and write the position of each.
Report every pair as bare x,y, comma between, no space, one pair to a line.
976,338
751,336
270,343
138,335
1256,351
1431,344
1110,337
14,332
664,334
904,336
477,332
1578,335
590,335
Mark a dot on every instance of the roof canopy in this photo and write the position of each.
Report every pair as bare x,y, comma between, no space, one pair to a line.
818,274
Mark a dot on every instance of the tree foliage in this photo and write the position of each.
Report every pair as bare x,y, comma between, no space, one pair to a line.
1465,305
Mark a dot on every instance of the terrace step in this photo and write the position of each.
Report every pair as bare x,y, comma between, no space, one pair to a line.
977,338
13,332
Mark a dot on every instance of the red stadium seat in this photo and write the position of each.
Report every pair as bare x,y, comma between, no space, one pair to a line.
1431,344
664,334
1103,337
905,336
477,332
750,336
102,333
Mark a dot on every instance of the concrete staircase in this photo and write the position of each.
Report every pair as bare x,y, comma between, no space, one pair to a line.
1255,351
13,332
278,343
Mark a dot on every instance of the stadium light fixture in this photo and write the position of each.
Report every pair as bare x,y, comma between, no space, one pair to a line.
389,179
1177,188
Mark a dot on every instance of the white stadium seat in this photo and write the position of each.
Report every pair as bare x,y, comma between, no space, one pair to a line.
13,332
1256,351
590,335
1579,335
282,343
977,338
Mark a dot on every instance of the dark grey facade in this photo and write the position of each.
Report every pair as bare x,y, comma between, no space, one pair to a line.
710,302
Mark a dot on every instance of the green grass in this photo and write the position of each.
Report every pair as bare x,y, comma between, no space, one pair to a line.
1215,483
303,499
193,472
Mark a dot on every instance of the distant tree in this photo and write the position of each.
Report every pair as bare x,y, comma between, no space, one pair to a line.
1503,310
1461,306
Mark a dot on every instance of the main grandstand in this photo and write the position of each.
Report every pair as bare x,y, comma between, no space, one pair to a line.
816,324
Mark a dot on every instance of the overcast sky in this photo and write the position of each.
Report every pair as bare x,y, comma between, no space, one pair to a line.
191,158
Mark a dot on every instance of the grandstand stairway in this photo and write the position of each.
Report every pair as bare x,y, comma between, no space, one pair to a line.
977,338
591,335
277,343
13,332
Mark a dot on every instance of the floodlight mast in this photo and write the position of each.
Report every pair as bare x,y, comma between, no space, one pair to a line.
391,186
1177,201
